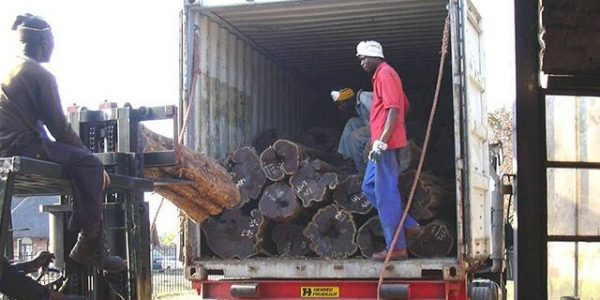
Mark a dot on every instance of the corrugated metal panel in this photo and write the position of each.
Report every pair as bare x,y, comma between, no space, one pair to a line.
314,37
240,92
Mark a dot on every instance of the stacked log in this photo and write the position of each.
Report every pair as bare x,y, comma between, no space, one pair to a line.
295,203
234,234
211,187
331,233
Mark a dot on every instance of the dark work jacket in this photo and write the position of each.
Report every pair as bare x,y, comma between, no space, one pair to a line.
28,100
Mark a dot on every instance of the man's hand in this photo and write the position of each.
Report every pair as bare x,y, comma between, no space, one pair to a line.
42,259
377,150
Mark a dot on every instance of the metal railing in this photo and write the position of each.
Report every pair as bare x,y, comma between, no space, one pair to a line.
168,273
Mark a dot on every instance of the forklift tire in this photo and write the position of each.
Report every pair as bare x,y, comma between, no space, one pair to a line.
484,290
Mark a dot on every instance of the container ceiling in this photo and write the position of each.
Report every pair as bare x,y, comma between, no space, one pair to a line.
316,36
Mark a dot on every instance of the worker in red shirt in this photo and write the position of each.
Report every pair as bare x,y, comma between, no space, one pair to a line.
388,135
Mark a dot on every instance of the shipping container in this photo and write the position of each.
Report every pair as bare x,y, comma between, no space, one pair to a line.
272,65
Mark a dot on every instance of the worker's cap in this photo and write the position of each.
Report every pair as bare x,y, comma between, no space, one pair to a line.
369,48
342,94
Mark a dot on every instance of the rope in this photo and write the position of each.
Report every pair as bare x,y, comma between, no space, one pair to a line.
444,51
179,142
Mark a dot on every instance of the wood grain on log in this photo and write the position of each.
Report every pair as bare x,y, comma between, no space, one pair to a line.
331,233
437,240
311,185
234,234
370,237
244,166
280,159
289,240
279,202
432,193
349,195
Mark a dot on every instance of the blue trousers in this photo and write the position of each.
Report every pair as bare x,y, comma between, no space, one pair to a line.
380,185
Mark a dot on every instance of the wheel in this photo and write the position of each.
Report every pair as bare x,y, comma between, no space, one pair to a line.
484,290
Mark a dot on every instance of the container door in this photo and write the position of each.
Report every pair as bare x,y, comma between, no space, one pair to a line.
471,118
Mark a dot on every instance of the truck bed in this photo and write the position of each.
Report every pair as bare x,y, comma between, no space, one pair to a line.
312,268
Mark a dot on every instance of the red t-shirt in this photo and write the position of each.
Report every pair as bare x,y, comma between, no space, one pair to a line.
388,93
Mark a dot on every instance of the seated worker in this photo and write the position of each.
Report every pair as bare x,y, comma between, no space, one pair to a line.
29,100
15,283
356,134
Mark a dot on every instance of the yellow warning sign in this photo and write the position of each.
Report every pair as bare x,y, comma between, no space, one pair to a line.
320,292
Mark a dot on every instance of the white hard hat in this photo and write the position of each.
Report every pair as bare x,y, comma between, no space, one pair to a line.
369,48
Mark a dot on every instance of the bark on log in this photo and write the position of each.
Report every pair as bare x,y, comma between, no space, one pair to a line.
311,185
279,202
289,240
349,195
244,166
280,159
370,237
234,234
431,194
331,233
437,240
212,188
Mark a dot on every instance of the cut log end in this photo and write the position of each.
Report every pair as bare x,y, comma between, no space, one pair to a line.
349,195
437,240
279,203
311,185
290,241
331,233
234,234
370,238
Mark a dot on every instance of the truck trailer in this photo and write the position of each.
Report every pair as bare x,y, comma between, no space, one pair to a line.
250,67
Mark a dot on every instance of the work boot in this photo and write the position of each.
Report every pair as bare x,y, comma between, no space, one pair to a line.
397,254
93,252
413,234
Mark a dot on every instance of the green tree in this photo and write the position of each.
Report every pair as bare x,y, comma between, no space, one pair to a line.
168,239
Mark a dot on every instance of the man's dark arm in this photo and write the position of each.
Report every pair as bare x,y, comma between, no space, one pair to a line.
52,114
390,123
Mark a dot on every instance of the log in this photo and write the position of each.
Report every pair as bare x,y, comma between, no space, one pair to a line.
432,193
289,240
311,185
437,240
280,159
321,138
349,195
244,166
279,202
235,234
331,233
211,187
266,138
370,237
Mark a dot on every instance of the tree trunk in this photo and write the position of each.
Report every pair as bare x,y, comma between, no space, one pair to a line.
244,166
331,233
234,234
290,241
321,138
370,237
211,185
437,240
279,202
310,184
431,194
349,195
280,159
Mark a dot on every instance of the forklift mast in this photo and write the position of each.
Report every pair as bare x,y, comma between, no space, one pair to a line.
111,133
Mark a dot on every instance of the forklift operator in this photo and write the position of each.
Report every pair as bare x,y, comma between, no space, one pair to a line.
29,100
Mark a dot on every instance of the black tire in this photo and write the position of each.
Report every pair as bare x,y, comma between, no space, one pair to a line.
484,290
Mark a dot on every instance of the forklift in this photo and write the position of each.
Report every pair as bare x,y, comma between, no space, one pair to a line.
112,134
